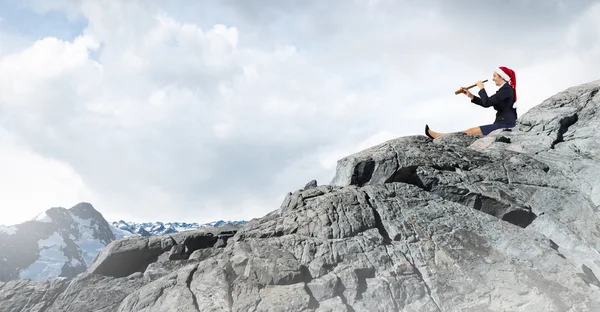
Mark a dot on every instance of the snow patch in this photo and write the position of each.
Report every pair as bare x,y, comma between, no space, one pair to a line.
83,222
183,229
76,263
43,217
49,264
90,246
120,233
10,230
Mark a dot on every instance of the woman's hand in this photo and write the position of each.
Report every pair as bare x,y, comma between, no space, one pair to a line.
480,84
467,92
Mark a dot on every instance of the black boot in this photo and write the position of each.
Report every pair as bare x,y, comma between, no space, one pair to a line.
427,132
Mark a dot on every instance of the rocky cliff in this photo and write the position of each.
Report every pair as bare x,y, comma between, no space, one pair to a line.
507,222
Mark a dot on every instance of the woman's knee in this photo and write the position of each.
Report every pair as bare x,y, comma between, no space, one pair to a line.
474,130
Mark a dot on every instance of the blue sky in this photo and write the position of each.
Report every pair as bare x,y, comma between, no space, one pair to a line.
19,20
205,110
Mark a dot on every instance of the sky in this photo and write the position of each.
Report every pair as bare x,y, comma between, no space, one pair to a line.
196,111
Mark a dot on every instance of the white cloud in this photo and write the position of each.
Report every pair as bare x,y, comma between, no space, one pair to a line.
31,182
199,111
69,7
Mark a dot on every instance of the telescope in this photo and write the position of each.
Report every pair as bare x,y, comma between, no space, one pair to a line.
467,88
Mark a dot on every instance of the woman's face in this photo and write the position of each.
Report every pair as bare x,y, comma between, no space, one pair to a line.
498,80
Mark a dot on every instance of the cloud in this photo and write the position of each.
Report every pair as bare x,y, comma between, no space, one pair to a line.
70,8
30,182
199,111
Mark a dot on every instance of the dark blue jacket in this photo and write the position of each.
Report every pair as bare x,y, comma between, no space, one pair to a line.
502,102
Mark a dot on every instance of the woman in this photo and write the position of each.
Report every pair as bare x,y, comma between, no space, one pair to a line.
502,101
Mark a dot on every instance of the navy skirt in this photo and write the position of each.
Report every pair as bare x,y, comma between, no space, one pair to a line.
486,129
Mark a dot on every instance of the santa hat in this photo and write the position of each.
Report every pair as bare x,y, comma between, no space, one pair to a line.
508,75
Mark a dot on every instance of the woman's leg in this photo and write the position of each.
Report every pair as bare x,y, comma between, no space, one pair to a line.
474,130
435,135
481,130
432,134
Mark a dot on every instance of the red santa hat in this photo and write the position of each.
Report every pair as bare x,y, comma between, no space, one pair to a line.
508,75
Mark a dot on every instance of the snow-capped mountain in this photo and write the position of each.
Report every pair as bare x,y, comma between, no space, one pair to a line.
63,242
56,243
160,228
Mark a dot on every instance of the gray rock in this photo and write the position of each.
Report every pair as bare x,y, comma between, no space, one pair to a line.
325,287
332,305
289,298
169,293
134,254
157,270
202,254
458,139
562,134
92,292
310,185
178,252
506,222
221,242
26,295
123,257
396,160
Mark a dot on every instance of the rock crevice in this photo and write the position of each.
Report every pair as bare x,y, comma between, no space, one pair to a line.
565,124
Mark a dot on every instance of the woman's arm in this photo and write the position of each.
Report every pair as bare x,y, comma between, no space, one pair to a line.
494,100
474,99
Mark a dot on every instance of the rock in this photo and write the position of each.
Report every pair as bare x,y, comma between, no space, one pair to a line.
325,287
435,246
26,295
169,293
506,222
299,197
456,173
221,242
165,256
396,160
134,254
457,139
157,270
561,133
332,305
202,254
288,298
129,255
222,238
92,292
310,185
178,252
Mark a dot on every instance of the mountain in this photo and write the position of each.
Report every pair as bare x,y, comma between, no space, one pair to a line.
56,243
63,242
160,228
505,222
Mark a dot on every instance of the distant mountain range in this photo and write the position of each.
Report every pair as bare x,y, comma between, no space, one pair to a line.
63,242
160,228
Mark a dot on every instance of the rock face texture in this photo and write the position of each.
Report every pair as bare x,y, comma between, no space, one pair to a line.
507,222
